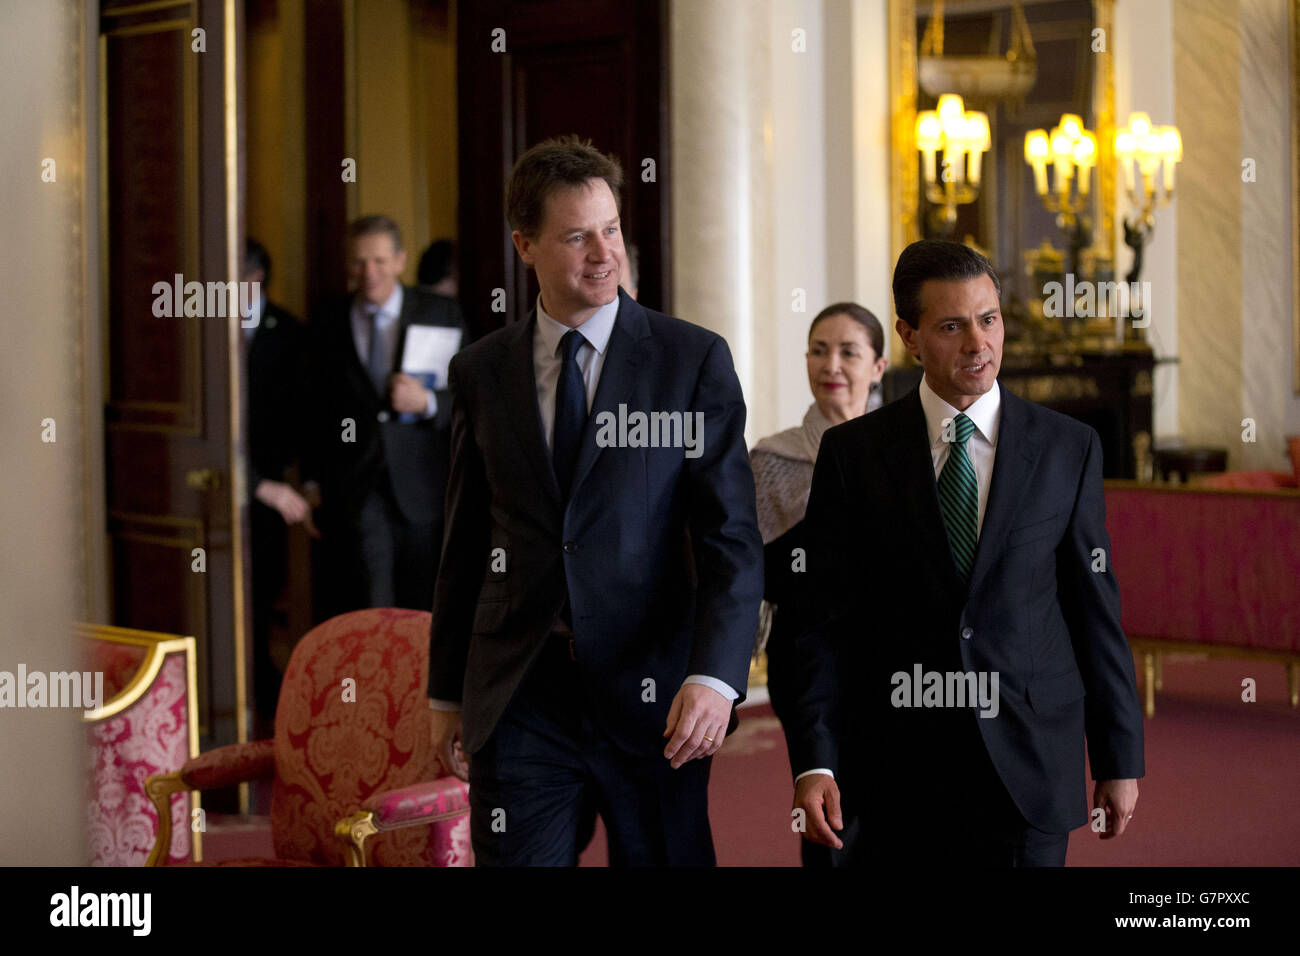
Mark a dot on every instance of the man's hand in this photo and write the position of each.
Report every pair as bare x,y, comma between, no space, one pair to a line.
446,742
406,394
1117,798
698,714
311,493
819,797
293,507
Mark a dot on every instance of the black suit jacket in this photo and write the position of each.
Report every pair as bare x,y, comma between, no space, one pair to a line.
658,554
276,376
414,456
883,594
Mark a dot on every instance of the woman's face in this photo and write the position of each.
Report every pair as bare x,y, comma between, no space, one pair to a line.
841,367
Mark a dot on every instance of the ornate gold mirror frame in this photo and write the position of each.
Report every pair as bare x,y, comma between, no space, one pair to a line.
905,195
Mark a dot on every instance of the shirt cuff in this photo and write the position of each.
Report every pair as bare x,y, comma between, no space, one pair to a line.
431,403
448,705
810,772
713,684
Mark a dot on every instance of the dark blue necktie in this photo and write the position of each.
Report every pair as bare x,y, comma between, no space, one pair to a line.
570,412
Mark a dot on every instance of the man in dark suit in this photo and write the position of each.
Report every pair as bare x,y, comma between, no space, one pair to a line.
381,441
598,593
275,354
960,623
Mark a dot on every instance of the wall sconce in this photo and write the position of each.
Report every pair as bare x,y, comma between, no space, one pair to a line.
963,136
1146,147
1072,152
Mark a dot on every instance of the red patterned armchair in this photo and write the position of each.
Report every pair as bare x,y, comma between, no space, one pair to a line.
352,757
146,723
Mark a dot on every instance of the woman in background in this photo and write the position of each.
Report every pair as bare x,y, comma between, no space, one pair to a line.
845,360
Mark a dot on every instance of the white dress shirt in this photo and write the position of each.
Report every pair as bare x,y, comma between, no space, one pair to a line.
386,320
547,360
986,414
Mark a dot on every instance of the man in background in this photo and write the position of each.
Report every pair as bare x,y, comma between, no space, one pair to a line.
437,270
380,437
275,344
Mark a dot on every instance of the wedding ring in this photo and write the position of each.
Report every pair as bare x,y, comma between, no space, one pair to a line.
710,740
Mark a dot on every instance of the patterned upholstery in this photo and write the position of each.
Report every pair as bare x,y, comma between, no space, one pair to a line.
351,725
149,735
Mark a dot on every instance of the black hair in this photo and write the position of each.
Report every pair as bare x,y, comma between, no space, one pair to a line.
436,263
256,257
934,259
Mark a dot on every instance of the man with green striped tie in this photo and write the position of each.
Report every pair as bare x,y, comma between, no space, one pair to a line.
954,535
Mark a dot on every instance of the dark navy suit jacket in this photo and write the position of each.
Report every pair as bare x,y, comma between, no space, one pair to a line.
659,554
883,594
414,455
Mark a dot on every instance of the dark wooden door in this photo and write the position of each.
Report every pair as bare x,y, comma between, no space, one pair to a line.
171,179
597,68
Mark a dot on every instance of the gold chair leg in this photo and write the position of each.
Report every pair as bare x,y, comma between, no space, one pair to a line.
1293,682
354,831
1160,672
1149,680
160,788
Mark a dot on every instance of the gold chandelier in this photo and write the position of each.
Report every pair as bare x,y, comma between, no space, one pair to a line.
963,137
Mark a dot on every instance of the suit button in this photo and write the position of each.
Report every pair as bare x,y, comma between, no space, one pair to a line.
967,633
570,547
382,416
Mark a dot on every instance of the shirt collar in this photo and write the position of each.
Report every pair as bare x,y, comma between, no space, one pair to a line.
983,412
596,330
390,310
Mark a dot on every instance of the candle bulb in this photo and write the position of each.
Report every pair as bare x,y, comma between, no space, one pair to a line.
1172,143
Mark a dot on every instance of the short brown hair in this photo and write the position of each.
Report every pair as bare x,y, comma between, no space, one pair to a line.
374,226
934,259
563,162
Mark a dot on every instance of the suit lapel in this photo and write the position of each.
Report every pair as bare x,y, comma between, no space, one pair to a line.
912,467
347,345
625,353
518,381
1013,465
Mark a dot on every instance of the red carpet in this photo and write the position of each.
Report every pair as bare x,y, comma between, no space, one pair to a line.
1222,785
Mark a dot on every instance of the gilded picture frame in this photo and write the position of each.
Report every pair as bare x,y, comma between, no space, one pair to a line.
905,195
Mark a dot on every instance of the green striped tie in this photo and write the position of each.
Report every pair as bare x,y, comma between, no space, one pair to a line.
959,499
